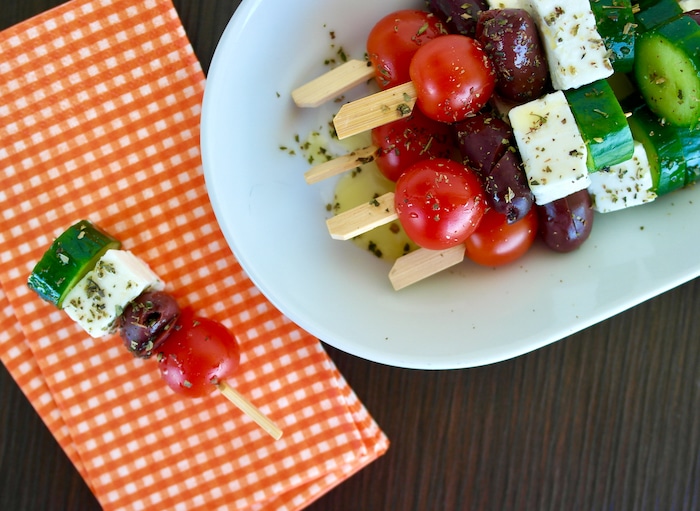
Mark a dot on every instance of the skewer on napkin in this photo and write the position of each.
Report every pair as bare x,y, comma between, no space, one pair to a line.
100,120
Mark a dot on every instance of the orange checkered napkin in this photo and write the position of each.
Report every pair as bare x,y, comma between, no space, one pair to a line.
99,119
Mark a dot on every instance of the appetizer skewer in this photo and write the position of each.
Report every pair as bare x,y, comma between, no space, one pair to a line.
394,148
105,289
407,269
438,202
466,82
390,45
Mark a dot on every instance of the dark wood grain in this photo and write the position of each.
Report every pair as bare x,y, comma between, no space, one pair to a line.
608,418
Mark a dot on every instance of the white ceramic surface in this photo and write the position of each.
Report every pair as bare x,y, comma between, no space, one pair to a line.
275,222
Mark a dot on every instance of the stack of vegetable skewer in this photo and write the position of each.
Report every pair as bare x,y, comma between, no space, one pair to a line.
614,125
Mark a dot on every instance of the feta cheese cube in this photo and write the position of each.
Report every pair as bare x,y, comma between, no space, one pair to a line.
99,298
623,185
551,147
509,4
689,5
576,53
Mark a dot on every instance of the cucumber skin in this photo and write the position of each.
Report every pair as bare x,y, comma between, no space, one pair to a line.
656,12
589,103
612,16
690,141
664,150
681,34
63,264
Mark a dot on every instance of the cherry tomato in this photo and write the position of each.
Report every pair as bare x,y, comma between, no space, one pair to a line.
393,41
453,77
495,242
198,353
439,203
408,140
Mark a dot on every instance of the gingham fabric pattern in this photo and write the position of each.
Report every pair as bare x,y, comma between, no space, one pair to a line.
99,120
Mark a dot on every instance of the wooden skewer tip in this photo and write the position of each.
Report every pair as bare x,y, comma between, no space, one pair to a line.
332,84
422,263
362,218
339,165
375,110
249,409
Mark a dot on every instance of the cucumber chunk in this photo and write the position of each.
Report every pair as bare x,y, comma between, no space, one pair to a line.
663,147
616,25
653,13
68,259
667,70
602,124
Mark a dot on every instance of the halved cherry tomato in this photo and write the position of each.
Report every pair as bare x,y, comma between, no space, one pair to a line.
395,38
453,77
439,203
199,353
495,242
408,140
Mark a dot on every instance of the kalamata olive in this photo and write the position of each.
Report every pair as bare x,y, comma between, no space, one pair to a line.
566,223
485,143
460,16
482,140
507,187
694,14
146,322
512,42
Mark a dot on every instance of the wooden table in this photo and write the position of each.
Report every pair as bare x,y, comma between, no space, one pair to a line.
608,418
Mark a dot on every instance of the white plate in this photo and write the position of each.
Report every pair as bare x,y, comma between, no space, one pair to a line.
465,317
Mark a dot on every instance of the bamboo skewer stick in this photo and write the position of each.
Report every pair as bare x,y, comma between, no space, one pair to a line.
341,164
249,409
375,110
362,218
333,83
423,263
